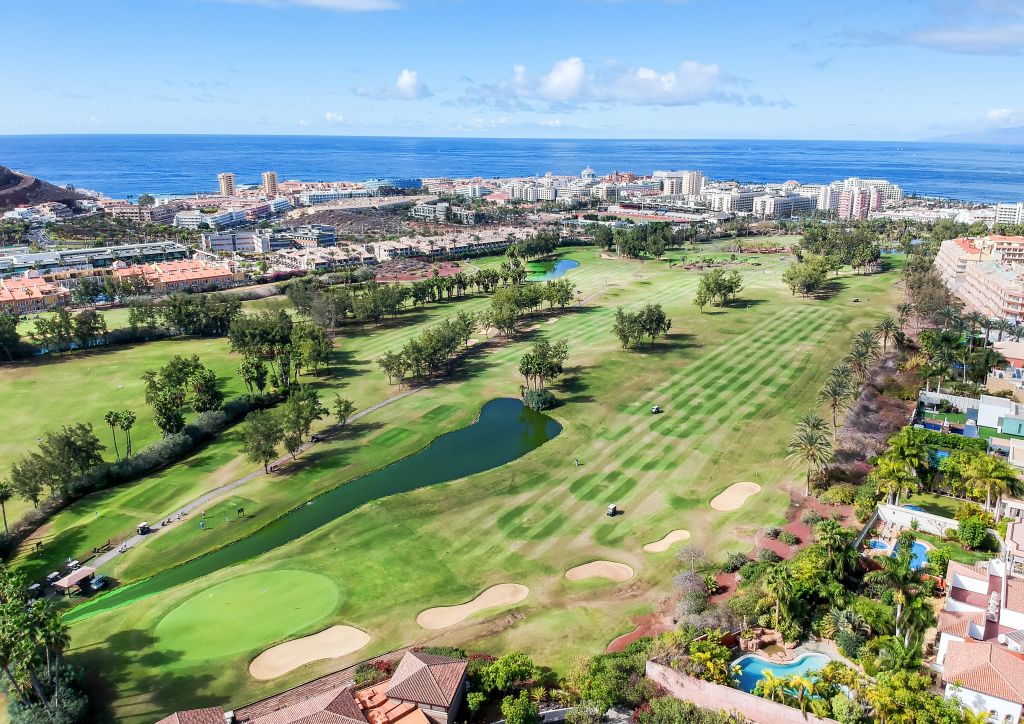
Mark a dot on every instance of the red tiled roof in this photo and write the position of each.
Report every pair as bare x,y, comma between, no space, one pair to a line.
1014,595
332,707
967,245
965,570
957,623
985,668
209,715
427,679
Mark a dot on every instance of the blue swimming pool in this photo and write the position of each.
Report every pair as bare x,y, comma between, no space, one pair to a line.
752,667
919,558
914,507
878,545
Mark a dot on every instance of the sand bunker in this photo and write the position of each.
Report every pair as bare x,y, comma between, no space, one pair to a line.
611,570
328,644
552,320
660,546
504,594
471,341
734,496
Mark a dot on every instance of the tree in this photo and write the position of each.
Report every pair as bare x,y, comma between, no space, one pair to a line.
394,365
6,493
511,670
993,476
813,449
520,710
299,412
343,410
893,478
262,432
887,328
253,372
770,686
837,392
903,313
113,419
167,412
10,338
126,420
146,200
777,586
204,390
88,327
898,575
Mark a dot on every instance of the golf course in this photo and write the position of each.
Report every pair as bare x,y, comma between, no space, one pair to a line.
451,515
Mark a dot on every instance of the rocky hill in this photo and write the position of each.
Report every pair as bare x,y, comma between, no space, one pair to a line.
18,189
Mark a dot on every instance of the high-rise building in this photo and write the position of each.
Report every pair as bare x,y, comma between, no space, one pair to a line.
227,184
1010,213
681,183
270,183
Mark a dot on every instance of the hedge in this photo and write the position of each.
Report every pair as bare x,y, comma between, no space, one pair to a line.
948,440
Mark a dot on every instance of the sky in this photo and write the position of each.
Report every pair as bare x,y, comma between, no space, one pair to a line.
853,70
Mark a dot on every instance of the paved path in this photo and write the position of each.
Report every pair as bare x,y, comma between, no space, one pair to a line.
180,515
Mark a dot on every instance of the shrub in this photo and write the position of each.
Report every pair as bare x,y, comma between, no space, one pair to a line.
972,532
850,643
689,582
949,441
692,602
842,494
811,517
789,538
771,532
765,555
539,400
938,561
734,562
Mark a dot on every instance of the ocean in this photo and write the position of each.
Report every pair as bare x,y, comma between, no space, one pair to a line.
118,165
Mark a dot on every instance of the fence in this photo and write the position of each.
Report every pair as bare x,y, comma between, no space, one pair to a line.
958,401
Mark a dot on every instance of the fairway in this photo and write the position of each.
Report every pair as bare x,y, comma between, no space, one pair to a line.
731,383
233,616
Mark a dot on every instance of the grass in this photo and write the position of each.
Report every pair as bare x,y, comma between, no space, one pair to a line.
954,550
933,503
731,382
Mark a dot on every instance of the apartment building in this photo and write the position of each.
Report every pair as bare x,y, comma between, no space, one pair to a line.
155,214
732,201
680,183
987,273
30,294
953,258
237,242
1010,213
781,206
226,183
48,262
182,275
270,183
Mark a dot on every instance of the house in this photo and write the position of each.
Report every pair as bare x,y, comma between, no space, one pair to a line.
986,677
424,689
1006,416
30,293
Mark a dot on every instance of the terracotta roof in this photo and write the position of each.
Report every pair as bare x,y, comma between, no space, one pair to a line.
209,715
957,623
1014,595
427,679
967,245
965,570
333,707
985,668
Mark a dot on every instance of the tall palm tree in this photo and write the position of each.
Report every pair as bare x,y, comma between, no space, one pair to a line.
125,422
1003,326
899,576
992,475
949,316
859,360
113,419
777,586
887,329
867,339
805,689
811,448
842,620
6,493
837,393
893,478
894,655
903,312
834,540
811,422
908,446
973,320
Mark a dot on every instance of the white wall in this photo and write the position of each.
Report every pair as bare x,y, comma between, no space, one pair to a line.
968,583
982,702
926,522
952,605
962,403
1013,619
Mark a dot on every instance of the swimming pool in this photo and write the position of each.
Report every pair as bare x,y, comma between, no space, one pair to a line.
920,555
752,668
877,544
918,508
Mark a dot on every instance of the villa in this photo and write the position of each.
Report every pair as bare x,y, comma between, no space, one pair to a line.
424,689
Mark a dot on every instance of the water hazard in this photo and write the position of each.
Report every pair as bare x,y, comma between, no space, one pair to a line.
542,271
505,431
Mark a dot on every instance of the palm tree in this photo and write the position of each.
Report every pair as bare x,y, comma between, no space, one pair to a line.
867,339
838,393
6,493
777,586
893,479
887,328
992,475
903,312
772,687
973,321
804,688
908,447
859,359
834,541
842,620
811,422
1003,326
125,422
897,575
113,419
949,316
812,448
894,655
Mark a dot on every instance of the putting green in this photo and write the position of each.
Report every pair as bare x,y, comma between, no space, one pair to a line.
248,612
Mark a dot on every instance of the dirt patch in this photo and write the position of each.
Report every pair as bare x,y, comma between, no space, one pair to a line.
660,546
504,594
552,320
611,570
733,497
328,644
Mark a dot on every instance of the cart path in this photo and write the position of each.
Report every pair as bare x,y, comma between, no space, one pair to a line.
180,514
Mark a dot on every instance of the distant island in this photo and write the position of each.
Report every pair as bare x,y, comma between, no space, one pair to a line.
995,136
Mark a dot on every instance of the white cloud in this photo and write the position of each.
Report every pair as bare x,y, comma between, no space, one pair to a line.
572,82
334,118
345,6
552,123
979,40
408,86
1006,117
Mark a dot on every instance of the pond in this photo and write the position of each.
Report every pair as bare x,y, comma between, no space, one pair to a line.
505,431
753,667
542,271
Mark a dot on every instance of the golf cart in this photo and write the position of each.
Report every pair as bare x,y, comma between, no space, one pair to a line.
98,582
656,409
613,510
142,528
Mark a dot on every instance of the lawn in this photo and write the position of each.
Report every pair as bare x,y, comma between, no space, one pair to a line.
932,503
731,382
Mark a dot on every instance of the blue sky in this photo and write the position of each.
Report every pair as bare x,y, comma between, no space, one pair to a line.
558,68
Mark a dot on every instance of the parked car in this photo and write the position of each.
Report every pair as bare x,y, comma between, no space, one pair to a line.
98,582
